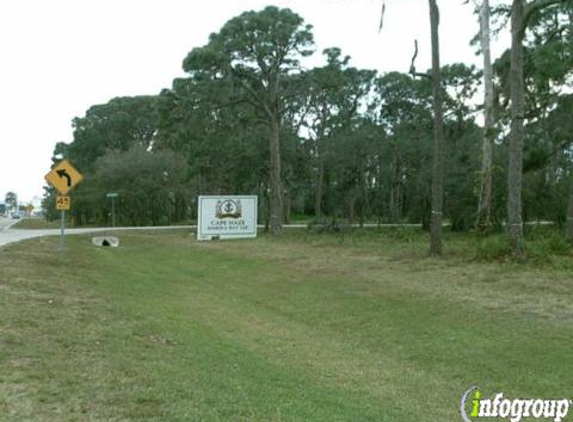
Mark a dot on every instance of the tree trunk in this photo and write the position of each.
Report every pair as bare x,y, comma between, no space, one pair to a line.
484,206
276,194
264,206
569,229
426,207
437,165
515,170
396,187
363,193
287,207
319,187
351,207
261,203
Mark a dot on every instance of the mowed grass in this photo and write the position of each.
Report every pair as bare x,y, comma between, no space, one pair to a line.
361,327
36,223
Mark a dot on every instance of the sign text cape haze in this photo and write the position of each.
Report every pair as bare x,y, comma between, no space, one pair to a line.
227,217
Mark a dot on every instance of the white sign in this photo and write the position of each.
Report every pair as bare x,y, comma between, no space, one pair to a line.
227,217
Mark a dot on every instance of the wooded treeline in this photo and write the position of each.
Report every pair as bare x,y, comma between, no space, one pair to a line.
333,141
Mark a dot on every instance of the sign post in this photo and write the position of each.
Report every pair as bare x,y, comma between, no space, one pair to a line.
63,177
62,238
62,204
112,195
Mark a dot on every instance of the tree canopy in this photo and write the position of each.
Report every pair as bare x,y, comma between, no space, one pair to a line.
329,141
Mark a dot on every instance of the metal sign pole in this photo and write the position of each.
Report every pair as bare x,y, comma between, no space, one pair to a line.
62,227
63,177
113,211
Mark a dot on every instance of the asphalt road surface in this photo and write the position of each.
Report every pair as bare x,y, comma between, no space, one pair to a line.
6,222
9,235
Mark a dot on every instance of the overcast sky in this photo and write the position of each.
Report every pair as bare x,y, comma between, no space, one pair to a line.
60,57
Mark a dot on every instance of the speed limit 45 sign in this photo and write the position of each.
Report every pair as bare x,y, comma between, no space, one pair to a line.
63,203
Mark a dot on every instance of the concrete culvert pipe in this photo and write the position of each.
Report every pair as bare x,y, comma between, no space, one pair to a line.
105,241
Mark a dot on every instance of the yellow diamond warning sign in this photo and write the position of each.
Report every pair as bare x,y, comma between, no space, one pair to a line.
64,177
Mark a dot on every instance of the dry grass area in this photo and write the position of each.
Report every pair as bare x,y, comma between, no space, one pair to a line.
542,291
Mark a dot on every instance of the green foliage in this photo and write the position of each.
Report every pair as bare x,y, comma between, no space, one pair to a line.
120,124
544,245
216,143
494,247
353,144
547,238
151,186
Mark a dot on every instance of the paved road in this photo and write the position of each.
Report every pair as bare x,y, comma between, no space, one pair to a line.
6,222
9,235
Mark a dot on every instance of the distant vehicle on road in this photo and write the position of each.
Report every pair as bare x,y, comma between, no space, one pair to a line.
16,216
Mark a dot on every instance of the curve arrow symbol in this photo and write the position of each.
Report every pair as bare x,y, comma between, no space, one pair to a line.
63,173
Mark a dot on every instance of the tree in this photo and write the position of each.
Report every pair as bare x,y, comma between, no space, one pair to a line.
521,13
333,140
485,197
515,168
118,125
217,141
151,185
461,144
437,163
256,52
402,110
336,92
569,227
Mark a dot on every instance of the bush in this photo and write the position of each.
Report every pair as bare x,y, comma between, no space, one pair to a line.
491,248
547,245
542,243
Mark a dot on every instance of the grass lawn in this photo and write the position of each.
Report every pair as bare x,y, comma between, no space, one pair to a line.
307,327
36,223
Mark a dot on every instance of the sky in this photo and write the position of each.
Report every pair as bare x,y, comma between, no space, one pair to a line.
60,57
